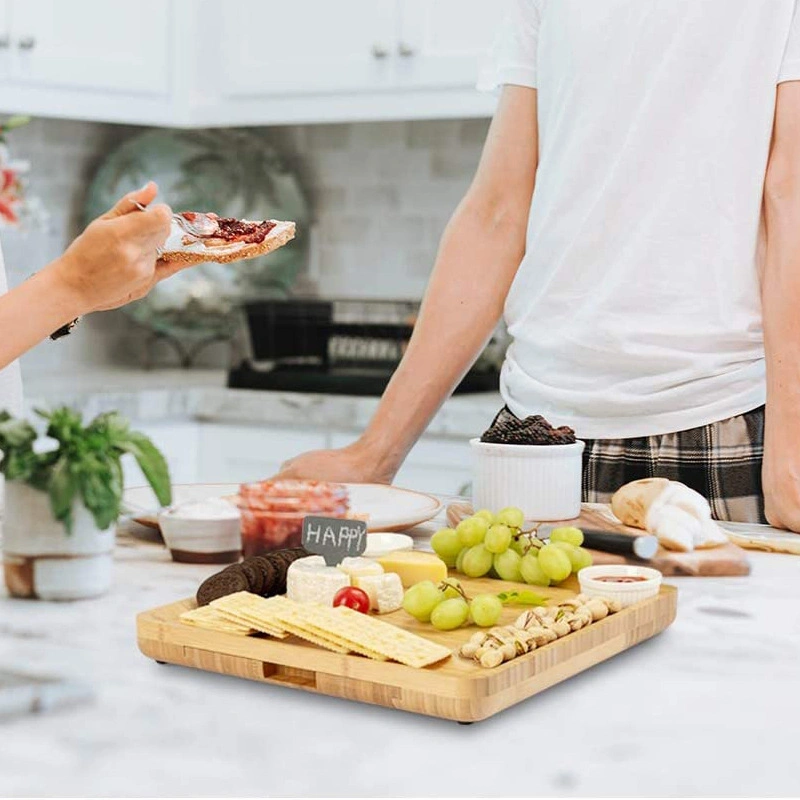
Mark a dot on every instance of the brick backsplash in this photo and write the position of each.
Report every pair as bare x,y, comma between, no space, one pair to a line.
381,193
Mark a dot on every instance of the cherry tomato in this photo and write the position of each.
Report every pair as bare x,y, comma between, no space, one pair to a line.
352,597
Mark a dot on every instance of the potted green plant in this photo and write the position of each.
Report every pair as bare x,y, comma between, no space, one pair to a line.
63,494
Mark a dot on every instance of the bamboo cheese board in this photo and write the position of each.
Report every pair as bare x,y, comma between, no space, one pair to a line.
456,689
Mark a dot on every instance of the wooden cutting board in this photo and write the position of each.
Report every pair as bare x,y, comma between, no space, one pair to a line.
456,689
728,560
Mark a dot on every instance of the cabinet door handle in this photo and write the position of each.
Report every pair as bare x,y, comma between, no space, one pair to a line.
28,43
379,51
406,50
5,42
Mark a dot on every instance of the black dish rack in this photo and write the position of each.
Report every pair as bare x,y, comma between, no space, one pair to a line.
300,346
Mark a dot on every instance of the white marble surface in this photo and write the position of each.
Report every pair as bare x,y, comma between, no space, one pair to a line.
159,395
710,707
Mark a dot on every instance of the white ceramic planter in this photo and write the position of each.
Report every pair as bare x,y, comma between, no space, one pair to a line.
544,481
42,560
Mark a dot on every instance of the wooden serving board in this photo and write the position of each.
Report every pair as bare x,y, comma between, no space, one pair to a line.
457,689
727,560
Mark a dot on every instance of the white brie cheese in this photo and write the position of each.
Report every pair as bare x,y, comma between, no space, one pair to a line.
310,580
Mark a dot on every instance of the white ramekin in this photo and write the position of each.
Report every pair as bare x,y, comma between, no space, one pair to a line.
626,593
202,541
544,481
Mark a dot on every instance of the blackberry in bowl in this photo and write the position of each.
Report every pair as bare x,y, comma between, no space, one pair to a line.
529,464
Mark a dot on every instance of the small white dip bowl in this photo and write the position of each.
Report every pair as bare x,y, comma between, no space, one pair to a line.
626,593
203,531
543,481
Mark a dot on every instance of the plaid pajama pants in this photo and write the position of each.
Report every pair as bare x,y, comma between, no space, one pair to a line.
722,461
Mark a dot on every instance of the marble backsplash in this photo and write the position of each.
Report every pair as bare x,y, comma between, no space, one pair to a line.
381,194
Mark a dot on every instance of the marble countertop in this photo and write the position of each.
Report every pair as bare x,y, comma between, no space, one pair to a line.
173,394
710,707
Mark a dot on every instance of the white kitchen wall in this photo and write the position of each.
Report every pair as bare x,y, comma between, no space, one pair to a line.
382,194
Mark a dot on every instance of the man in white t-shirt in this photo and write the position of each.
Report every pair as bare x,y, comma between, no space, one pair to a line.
649,279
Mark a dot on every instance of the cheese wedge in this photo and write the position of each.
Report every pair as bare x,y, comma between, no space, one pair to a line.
385,591
359,567
413,566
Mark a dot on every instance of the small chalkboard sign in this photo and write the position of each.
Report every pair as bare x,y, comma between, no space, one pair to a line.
334,539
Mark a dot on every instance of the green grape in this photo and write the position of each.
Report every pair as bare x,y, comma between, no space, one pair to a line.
450,614
584,559
512,517
498,538
507,566
451,588
421,600
446,545
484,514
522,543
460,559
477,561
531,570
486,610
555,563
578,557
573,536
570,550
471,531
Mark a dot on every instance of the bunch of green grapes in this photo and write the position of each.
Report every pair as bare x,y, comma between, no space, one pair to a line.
496,545
447,607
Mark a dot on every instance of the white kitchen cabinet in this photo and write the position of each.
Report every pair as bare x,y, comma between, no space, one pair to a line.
306,46
91,44
443,43
5,40
243,453
178,441
201,63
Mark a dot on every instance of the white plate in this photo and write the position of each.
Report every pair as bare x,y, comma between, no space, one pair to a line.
387,508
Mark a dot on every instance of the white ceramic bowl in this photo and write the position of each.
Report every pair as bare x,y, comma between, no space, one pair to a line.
544,481
193,538
626,593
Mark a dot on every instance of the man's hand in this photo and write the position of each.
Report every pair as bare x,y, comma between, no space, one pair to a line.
781,475
353,464
114,260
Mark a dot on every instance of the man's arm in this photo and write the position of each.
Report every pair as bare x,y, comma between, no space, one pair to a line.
478,258
111,263
781,301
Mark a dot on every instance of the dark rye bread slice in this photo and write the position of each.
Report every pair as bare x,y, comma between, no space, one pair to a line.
264,575
255,575
198,253
229,581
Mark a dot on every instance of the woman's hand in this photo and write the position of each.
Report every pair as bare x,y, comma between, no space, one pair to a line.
114,261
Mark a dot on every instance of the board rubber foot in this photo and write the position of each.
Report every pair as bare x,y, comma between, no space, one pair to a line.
465,723
160,662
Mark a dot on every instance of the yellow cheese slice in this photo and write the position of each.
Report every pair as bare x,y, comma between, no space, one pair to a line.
413,566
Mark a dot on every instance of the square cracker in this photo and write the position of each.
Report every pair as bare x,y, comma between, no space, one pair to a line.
304,618
212,620
369,636
250,609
